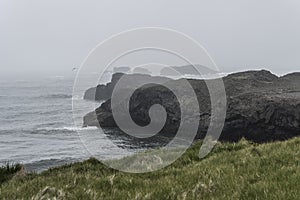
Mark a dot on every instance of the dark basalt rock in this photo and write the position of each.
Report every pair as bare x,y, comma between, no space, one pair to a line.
260,107
102,92
262,117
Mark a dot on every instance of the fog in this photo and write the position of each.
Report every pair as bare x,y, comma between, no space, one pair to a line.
53,36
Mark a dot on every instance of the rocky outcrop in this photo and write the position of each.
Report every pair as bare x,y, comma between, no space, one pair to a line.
102,92
260,107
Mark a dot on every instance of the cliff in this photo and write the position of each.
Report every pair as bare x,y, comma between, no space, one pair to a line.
260,106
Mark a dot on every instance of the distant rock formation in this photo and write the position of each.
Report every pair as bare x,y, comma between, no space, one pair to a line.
102,92
121,70
260,106
168,71
186,70
141,70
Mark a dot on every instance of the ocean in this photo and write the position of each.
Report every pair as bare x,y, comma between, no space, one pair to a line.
37,126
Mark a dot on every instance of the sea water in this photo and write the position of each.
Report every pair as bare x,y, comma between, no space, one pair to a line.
37,126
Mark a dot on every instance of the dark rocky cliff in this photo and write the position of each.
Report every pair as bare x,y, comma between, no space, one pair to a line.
260,106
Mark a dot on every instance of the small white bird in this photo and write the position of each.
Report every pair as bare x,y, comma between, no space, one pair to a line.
74,69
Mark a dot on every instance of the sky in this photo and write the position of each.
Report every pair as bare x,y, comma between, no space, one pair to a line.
56,35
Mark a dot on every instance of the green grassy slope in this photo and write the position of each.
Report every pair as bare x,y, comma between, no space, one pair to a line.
232,171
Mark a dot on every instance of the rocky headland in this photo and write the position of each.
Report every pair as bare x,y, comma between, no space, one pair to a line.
261,106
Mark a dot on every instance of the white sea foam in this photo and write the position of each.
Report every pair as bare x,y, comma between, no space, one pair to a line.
68,128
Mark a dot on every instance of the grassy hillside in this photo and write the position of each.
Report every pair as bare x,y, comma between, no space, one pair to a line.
232,171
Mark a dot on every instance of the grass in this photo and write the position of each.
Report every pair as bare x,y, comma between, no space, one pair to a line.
8,171
232,171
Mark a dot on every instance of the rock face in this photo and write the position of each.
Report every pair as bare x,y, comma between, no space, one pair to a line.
260,106
102,92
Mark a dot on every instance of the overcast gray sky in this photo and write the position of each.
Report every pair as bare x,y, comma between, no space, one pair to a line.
56,35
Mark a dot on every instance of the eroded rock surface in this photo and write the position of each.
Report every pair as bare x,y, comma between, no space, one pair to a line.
260,106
